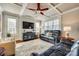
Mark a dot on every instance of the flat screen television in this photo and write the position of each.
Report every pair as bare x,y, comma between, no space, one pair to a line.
28,25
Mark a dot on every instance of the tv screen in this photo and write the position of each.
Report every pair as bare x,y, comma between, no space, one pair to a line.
28,25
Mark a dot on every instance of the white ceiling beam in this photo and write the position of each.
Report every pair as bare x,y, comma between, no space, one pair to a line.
58,5
55,9
23,9
71,10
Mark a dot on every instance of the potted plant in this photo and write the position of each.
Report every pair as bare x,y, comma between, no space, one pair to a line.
8,35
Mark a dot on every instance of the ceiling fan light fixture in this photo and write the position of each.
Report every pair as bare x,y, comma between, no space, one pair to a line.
38,11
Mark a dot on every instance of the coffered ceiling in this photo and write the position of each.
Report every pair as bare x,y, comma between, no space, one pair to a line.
61,7
53,9
67,6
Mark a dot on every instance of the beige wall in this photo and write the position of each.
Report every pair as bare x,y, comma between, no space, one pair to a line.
72,19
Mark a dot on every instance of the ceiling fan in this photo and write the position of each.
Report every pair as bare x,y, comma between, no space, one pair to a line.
39,9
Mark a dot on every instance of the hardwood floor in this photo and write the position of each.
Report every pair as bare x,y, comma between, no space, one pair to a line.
19,41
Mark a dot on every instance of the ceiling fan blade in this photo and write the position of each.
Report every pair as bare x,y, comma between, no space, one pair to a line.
41,13
32,9
44,15
44,9
38,6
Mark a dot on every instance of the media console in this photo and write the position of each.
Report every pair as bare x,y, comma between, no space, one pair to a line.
29,36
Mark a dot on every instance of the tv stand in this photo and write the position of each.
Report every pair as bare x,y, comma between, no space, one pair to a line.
29,36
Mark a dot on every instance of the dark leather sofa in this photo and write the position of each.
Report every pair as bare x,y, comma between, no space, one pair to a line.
61,49
54,38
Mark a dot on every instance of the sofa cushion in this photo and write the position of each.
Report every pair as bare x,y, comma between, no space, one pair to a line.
48,52
61,51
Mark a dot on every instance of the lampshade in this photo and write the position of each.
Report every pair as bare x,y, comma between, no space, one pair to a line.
67,28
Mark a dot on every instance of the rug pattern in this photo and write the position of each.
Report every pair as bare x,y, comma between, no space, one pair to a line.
26,48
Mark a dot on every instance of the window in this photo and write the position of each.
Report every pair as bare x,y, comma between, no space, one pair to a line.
52,25
11,26
37,26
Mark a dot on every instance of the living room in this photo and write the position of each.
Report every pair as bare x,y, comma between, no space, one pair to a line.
32,29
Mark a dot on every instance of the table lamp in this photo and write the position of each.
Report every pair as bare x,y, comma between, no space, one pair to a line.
67,29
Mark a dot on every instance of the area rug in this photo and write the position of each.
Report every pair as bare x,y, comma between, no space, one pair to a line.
26,48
